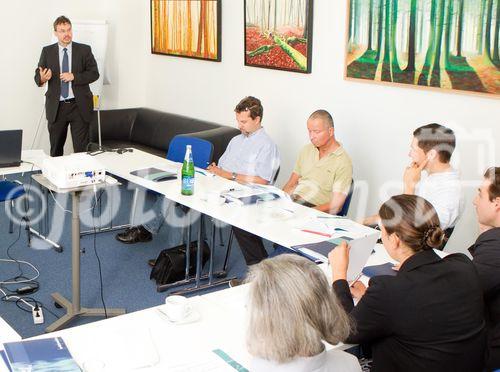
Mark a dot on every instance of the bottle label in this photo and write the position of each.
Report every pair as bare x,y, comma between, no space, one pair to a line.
187,185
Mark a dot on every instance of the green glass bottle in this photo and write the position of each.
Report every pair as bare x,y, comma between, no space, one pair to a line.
187,184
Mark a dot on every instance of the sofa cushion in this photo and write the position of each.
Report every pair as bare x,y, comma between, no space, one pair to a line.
115,124
155,128
152,130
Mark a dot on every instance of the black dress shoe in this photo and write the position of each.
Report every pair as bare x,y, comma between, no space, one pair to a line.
136,234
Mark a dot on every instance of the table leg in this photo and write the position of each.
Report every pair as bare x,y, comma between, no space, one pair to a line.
44,223
198,277
74,309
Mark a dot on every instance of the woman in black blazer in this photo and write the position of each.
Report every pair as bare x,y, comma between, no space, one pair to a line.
429,317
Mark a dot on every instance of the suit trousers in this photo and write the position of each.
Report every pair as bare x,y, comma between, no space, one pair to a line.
251,246
68,113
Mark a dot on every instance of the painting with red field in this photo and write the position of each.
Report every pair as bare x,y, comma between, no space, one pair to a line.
278,34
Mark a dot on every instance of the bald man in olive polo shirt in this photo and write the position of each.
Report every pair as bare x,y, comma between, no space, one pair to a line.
323,172
321,179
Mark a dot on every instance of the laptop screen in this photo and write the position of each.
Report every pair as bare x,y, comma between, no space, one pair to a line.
11,142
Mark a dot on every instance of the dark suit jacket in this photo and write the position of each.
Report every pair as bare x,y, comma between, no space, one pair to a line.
486,257
429,317
83,67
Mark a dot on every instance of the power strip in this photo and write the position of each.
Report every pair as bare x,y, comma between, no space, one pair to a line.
37,315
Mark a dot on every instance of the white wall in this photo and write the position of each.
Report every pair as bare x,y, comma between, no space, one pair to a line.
374,122
22,102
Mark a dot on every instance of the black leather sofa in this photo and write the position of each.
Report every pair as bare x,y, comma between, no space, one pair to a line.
151,130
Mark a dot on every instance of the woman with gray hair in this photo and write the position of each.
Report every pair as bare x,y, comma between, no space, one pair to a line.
291,310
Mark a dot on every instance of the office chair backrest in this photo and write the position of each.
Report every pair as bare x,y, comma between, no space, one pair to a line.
347,202
10,190
447,235
202,150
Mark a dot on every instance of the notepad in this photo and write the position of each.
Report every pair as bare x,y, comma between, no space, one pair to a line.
155,174
319,251
361,249
40,355
232,197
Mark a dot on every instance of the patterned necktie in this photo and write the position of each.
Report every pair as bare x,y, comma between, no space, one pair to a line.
65,68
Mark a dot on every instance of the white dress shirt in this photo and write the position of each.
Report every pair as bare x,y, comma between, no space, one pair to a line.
444,191
252,155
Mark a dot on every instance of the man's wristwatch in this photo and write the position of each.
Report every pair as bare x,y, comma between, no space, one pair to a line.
233,176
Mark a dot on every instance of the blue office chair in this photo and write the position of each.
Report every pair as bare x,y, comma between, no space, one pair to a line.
10,191
347,202
202,150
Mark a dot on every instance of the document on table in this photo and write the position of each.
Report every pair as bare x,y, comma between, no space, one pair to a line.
136,349
248,195
270,189
324,226
155,174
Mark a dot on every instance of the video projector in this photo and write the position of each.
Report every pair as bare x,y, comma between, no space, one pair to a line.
73,170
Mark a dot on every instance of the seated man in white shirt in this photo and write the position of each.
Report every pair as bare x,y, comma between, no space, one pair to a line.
251,156
431,149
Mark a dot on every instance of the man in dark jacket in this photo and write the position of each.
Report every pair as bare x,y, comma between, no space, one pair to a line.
486,257
69,68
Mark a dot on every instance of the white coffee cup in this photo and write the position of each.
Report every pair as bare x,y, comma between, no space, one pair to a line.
177,308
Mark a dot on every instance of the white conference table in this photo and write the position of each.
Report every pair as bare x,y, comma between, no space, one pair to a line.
147,340
257,219
31,161
7,333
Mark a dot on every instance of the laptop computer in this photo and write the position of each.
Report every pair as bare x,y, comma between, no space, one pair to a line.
11,142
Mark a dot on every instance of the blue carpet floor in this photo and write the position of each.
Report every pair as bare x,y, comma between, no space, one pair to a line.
125,272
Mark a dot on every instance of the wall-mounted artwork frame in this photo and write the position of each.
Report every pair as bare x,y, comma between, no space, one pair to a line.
186,28
278,34
449,45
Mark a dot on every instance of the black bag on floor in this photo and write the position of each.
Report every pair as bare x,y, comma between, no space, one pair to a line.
170,265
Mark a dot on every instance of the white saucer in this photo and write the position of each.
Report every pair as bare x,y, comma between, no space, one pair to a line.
191,317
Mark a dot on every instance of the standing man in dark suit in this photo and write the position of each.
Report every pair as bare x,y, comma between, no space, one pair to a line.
69,68
486,257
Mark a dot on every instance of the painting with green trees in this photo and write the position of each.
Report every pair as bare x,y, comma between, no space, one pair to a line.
448,44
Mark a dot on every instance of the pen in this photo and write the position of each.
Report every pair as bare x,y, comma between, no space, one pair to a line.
316,232
200,172
356,279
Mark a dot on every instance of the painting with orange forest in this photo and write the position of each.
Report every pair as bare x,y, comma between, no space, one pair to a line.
451,45
278,34
186,28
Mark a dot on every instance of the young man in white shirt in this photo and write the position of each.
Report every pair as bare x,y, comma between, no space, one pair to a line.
431,149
